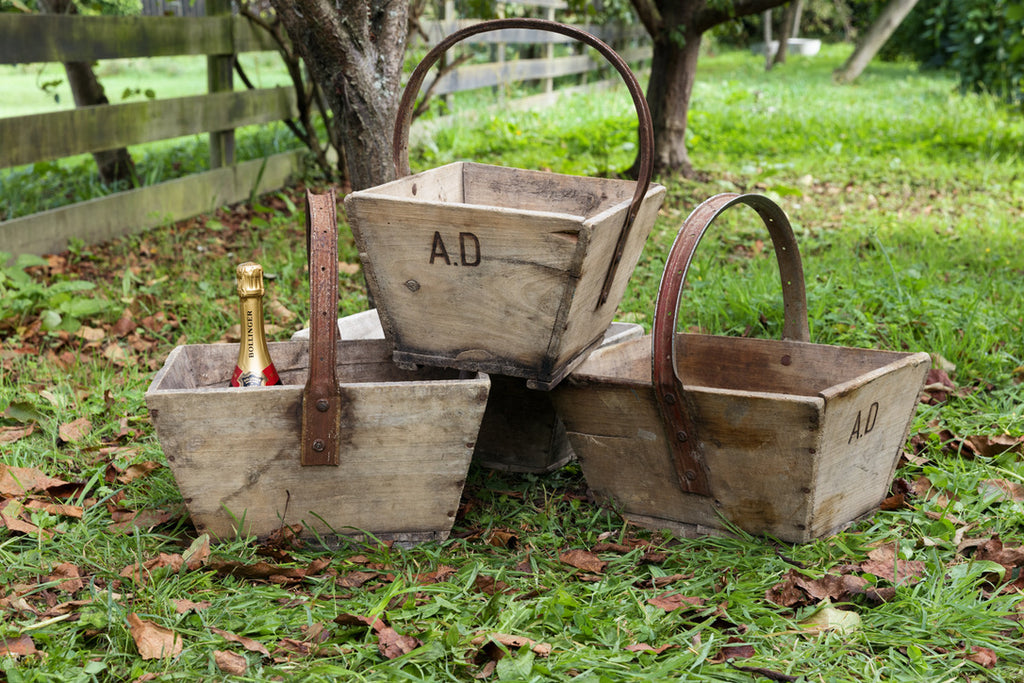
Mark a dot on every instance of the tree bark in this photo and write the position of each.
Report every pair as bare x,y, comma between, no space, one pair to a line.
113,165
354,51
788,31
676,28
887,22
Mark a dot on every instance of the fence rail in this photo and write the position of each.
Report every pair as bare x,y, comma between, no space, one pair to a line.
56,135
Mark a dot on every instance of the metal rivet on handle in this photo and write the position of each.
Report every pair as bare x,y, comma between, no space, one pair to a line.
690,475
318,446
670,398
322,405
681,435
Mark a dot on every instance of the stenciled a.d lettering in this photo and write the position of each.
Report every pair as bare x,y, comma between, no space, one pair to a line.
863,425
469,250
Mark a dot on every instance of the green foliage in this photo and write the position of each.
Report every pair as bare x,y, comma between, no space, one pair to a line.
59,305
981,40
826,19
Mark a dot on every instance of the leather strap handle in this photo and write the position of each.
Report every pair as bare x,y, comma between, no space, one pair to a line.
400,142
321,398
676,407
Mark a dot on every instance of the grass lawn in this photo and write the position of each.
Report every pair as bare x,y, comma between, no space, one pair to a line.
908,203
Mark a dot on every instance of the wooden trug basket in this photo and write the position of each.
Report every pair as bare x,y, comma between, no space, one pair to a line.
390,457
502,270
705,434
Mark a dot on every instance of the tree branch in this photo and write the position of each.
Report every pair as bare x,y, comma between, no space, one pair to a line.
709,17
649,15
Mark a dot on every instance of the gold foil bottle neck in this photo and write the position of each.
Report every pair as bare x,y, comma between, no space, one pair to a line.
250,279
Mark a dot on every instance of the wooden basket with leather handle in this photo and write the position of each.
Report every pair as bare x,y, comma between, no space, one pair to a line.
507,271
699,434
349,444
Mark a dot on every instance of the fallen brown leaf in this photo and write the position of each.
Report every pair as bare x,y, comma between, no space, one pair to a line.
12,434
74,431
512,642
673,601
127,520
182,605
883,563
982,656
585,560
503,539
644,647
21,646
230,663
260,571
138,471
248,643
393,644
991,446
58,509
17,481
153,641
355,579
68,576
140,573
1002,490
734,648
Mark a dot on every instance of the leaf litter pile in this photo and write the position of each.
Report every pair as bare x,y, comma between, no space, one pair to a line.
103,574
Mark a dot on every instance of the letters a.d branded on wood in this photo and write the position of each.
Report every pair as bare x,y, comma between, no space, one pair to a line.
863,425
469,250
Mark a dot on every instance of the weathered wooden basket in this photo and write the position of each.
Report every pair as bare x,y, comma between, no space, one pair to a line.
520,431
502,270
349,445
783,438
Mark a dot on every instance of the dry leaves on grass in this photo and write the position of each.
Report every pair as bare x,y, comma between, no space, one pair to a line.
673,601
390,643
230,663
154,641
15,648
585,560
492,648
248,643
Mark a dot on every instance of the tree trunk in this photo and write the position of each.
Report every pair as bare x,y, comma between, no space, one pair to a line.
354,51
673,72
676,27
892,14
789,20
114,165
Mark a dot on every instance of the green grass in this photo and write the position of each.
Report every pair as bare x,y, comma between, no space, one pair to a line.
907,202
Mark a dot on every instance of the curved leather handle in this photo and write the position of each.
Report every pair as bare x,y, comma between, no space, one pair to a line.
400,142
675,405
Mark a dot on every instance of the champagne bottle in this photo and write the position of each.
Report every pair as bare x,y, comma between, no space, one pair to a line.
254,367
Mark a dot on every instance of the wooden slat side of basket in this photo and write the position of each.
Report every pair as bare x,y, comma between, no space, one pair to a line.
485,275
779,462
406,450
585,318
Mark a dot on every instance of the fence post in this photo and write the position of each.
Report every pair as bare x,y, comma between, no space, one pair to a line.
219,72
549,51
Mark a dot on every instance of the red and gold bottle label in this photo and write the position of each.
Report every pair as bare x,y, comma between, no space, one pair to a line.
267,378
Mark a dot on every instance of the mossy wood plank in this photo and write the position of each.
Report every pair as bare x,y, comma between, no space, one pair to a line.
126,212
41,137
30,38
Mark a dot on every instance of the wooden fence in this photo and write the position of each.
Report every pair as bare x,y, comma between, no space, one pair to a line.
56,135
